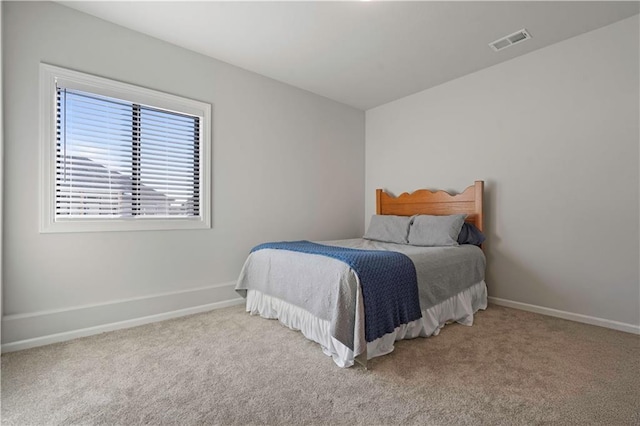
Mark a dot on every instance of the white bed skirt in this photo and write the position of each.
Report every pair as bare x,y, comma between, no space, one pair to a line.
459,308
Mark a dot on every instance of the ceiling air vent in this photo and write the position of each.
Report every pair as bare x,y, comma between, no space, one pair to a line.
510,40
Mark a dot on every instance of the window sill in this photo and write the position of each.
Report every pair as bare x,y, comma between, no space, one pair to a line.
146,224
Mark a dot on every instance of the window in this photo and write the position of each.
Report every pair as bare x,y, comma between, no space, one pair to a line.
120,157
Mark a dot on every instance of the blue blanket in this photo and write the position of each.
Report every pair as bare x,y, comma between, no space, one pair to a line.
388,281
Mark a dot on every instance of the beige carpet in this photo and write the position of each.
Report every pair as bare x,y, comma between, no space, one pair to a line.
226,367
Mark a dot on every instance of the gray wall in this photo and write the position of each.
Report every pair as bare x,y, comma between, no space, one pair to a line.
555,135
1,163
287,164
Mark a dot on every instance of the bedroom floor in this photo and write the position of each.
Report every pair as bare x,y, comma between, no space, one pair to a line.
226,367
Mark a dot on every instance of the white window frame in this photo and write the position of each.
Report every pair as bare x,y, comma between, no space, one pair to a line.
49,76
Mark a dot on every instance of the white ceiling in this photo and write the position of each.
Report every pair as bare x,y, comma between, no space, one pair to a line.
363,54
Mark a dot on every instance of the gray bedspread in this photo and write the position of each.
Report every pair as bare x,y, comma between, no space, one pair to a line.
442,271
328,289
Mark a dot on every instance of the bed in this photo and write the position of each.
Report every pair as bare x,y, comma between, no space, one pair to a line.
326,290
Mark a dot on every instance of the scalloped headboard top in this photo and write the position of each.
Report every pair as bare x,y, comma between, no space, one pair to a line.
424,201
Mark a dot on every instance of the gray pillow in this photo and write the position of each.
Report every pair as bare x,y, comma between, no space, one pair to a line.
388,228
435,230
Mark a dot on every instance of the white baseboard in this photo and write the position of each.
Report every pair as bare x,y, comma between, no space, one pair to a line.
23,331
621,326
44,324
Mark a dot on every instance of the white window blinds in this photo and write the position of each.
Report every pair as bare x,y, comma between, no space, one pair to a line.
118,159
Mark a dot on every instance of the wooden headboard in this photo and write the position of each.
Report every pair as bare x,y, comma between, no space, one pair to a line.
423,201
